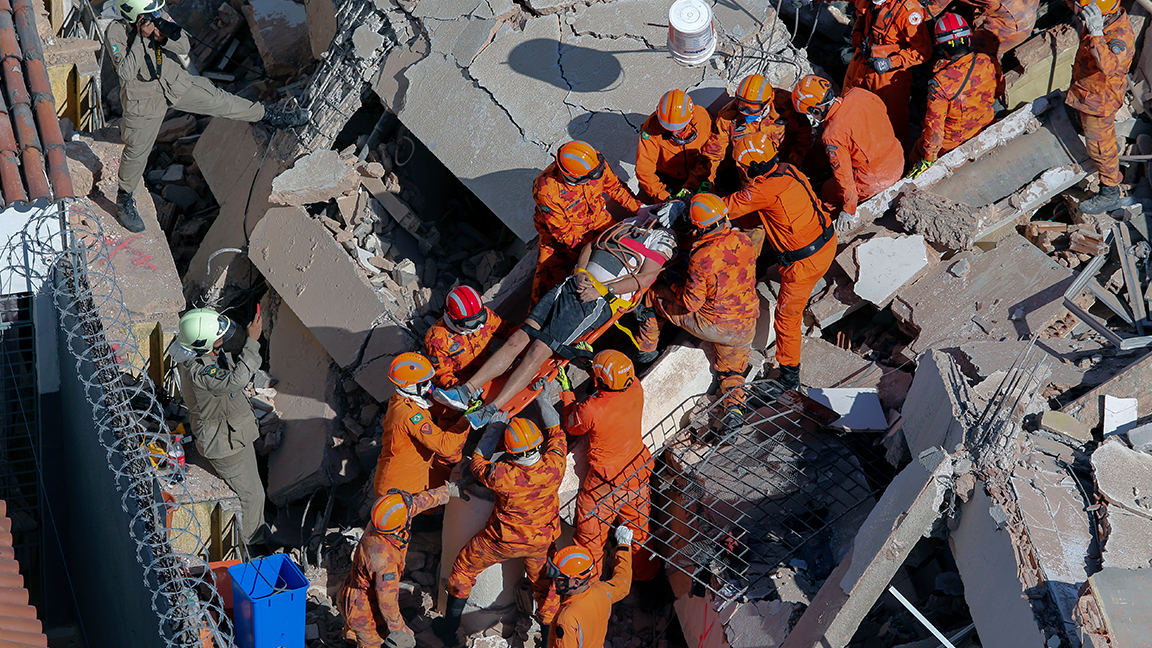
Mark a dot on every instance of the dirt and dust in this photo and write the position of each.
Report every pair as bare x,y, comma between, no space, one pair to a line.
951,224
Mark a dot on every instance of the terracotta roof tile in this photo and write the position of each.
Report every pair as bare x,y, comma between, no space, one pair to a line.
19,627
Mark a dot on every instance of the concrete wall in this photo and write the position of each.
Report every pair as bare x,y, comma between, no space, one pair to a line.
114,606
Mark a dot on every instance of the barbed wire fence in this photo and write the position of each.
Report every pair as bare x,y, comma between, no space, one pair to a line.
63,251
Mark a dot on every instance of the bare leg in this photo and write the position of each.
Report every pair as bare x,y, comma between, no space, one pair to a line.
537,354
496,365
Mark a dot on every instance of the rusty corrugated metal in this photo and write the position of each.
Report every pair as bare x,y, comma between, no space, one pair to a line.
43,104
19,627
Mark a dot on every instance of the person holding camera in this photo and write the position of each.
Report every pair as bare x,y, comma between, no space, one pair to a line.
146,48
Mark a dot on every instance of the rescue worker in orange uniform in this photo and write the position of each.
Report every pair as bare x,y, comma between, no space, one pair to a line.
865,155
890,37
619,463
457,343
369,597
960,94
1000,25
585,601
717,302
1099,80
670,154
526,520
757,108
571,210
797,227
412,441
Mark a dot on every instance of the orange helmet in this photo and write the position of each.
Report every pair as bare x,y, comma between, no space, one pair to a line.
613,369
1106,6
754,91
390,513
674,112
579,162
757,147
707,210
521,436
571,568
410,369
811,93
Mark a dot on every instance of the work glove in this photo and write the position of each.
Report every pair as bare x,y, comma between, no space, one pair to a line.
623,536
671,213
459,489
881,64
683,194
546,400
1093,19
491,438
846,222
705,187
847,53
917,169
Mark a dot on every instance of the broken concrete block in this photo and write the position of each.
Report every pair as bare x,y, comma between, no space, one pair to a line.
940,406
1065,425
84,167
365,41
886,264
1013,278
682,372
1120,415
943,221
987,357
317,177
177,127
859,409
1140,438
321,16
1133,381
280,29
183,197
1123,477
1115,608
905,513
385,343
317,279
986,558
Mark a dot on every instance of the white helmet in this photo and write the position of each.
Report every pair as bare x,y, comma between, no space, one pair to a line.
130,10
201,327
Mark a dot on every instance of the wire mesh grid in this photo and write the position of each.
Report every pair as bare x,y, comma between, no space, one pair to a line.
63,250
733,498
19,427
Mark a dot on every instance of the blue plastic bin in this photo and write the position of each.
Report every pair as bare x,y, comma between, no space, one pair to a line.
268,600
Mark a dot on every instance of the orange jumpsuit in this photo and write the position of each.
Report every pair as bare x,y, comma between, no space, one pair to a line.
793,218
1099,79
619,465
411,442
960,97
781,122
717,303
568,216
1000,24
457,356
896,30
664,167
368,599
865,155
582,621
525,523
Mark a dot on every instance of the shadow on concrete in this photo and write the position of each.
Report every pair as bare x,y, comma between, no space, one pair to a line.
588,70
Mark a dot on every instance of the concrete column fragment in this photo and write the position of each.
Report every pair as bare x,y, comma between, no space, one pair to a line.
904,514
940,405
1132,382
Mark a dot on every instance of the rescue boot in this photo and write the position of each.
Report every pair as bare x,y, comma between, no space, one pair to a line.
787,378
284,119
647,357
447,627
1103,202
126,212
544,636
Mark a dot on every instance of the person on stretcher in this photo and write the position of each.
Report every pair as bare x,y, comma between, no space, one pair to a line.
610,275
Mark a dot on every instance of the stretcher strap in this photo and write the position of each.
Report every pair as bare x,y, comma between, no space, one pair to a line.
617,304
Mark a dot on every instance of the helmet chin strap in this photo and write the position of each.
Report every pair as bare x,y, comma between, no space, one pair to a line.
420,392
528,458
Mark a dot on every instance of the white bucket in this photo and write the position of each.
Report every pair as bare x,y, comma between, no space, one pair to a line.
691,35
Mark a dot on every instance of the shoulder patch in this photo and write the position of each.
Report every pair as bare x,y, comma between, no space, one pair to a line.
115,48
210,371
644,135
830,148
1116,45
915,18
417,418
456,348
389,577
426,428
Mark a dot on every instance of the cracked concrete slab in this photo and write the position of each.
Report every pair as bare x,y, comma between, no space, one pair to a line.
451,9
615,138
463,39
634,18
439,94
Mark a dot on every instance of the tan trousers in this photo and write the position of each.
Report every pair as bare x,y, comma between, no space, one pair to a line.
139,131
240,473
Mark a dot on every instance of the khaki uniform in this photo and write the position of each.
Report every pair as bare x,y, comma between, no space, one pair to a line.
152,79
224,425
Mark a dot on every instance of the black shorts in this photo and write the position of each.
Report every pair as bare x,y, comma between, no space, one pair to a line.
563,318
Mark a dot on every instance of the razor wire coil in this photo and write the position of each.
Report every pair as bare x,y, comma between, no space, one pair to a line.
62,249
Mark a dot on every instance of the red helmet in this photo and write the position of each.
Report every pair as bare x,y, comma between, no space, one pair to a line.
707,210
579,162
409,369
613,369
464,310
754,91
674,112
390,513
521,436
951,28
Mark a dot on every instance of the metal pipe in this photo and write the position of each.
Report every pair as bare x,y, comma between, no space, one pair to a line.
920,617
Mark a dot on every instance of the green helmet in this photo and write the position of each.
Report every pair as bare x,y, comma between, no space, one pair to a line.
201,327
130,10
